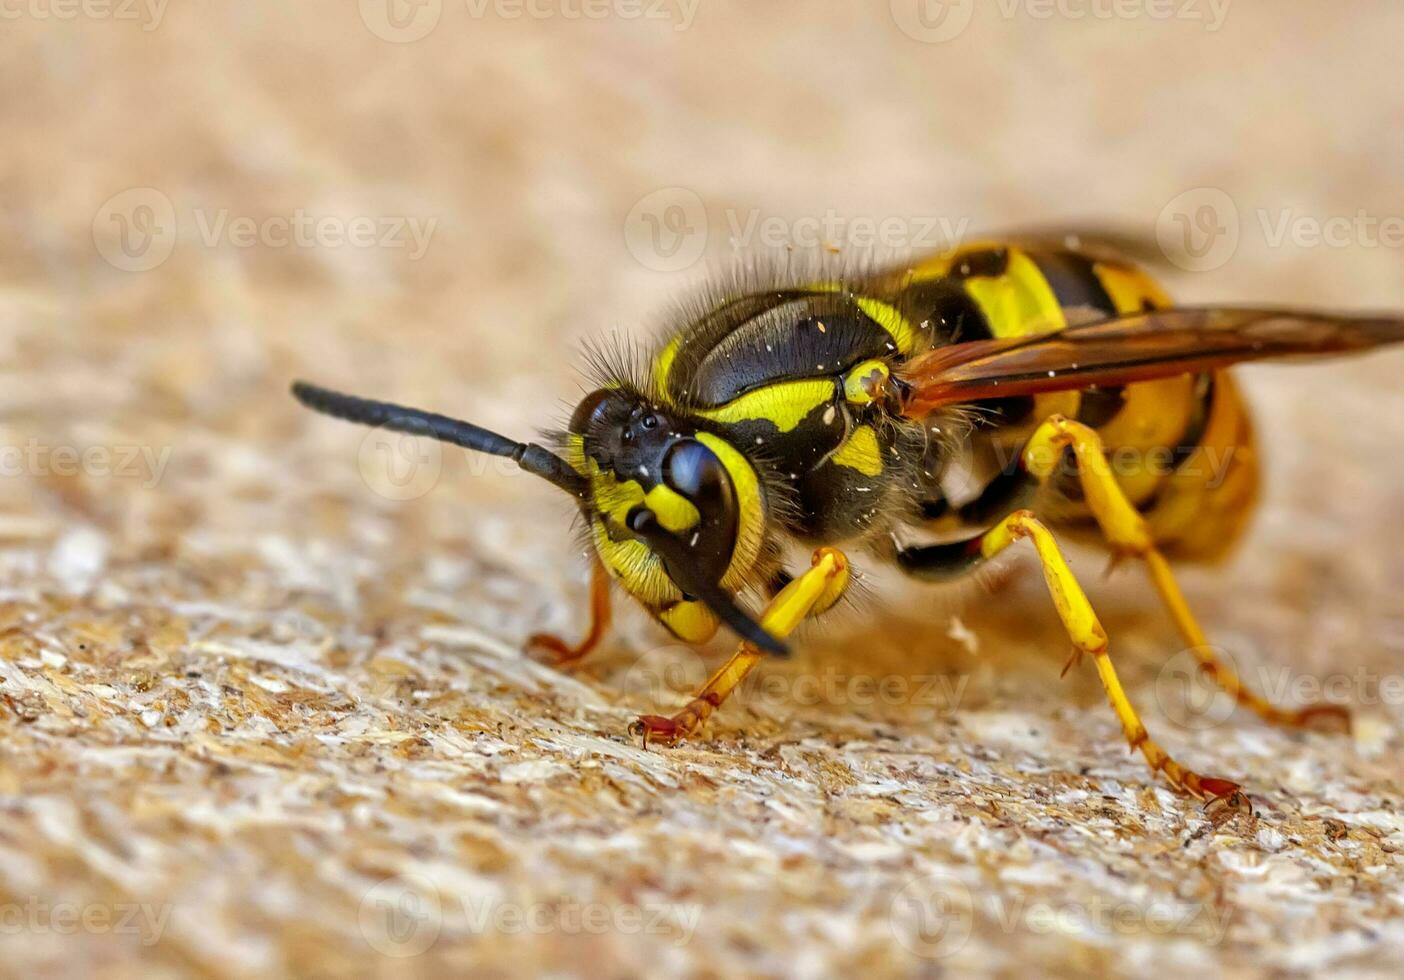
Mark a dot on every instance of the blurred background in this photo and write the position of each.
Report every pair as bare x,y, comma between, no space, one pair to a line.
243,648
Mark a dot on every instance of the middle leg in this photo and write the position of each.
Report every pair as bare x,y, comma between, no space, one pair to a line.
814,591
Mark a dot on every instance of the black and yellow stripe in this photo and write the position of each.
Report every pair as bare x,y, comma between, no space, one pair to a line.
1182,446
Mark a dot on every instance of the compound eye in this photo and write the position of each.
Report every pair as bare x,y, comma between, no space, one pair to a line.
593,411
694,471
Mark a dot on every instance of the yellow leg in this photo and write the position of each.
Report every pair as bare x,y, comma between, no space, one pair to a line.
1090,638
812,592
565,653
1126,531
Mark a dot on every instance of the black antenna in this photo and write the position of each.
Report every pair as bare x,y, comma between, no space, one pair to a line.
529,456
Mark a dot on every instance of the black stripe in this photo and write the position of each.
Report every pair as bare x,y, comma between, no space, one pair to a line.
985,263
954,316
1100,405
1074,282
1204,389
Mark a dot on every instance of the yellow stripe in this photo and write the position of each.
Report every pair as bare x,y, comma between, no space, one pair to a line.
749,530
663,366
940,265
1129,288
896,325
785,404
1019,303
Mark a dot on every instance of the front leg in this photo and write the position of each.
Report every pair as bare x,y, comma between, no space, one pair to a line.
563,653
818,588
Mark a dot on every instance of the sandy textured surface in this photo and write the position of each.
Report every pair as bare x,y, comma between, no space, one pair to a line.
262,705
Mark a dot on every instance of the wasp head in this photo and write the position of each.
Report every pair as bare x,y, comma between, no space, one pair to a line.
675,512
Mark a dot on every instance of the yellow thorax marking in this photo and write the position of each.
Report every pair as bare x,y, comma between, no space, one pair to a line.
664,365
865,382
785,404
904,336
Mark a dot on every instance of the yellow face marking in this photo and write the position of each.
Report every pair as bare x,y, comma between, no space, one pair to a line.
785,404
637,568
675,512
1018,303
864,382
750,533
689,621
860,452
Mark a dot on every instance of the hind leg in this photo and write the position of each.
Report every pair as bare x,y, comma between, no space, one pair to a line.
1127,533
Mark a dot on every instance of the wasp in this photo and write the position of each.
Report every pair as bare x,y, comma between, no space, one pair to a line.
833,414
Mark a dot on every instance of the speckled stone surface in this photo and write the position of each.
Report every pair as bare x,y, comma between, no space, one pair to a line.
263,708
